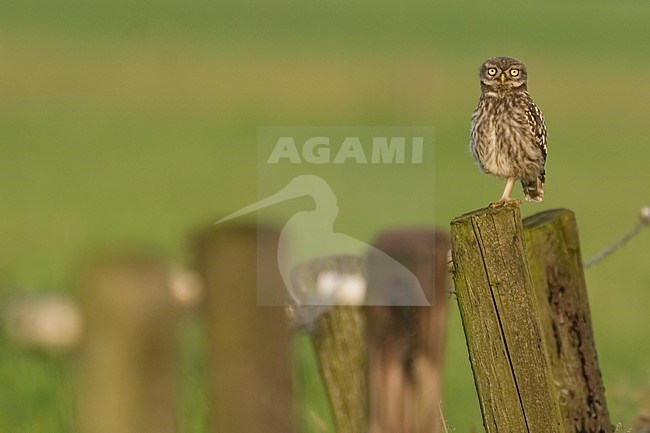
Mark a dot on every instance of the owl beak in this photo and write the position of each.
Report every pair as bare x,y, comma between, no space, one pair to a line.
502,78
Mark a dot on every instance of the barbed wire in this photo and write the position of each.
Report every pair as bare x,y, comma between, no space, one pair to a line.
644,221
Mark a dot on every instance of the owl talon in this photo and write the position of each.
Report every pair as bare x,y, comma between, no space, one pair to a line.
504,202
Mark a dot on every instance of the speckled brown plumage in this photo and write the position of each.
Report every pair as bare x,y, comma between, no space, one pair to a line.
508,135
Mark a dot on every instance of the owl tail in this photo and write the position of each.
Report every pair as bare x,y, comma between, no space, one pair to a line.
533,189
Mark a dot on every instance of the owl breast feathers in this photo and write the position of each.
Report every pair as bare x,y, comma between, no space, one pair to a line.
508,134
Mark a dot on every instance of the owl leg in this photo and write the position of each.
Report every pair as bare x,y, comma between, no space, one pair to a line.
505,198
508,189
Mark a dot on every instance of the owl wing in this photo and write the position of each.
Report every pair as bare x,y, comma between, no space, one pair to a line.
537,124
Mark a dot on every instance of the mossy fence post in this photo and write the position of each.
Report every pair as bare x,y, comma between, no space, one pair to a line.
507,282
337,333
553,249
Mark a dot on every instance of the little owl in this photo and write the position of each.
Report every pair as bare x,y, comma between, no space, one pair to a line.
508,137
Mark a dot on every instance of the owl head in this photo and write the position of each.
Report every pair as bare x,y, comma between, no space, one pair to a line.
503,73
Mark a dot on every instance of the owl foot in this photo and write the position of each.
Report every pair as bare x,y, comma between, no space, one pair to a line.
505,197
504,202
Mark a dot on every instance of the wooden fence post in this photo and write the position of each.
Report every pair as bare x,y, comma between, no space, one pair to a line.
498,307
249,367
338,335
405,343
553,251
127,376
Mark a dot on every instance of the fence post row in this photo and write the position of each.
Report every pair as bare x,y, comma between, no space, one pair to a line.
128,363
521,293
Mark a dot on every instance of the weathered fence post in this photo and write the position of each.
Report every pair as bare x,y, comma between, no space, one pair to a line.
556,267
405,343
338,335
127,376
498,307
249,367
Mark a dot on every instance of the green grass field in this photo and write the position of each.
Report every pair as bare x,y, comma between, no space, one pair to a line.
136,121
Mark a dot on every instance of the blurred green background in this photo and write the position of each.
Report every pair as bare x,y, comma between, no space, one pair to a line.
135,121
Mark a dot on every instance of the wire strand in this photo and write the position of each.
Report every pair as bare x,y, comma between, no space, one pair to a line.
644,221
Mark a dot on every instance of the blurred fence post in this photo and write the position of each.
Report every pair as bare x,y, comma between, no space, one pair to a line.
555,262
127,377
249,367
338,335
501,319
405,343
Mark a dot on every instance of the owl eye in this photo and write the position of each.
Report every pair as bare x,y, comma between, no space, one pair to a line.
514,72
492,71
